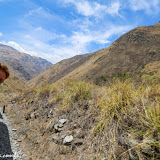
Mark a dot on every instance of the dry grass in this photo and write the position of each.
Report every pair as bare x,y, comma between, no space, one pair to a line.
129,115
133,111
73,91
127,125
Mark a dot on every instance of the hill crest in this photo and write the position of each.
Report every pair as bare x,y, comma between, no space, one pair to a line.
130,53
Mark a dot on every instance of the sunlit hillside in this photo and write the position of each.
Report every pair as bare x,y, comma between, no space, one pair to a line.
120,120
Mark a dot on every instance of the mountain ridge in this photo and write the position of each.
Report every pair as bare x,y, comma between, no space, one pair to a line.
129,54
31,65
60,69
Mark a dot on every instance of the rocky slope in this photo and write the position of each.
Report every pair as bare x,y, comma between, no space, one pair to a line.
27,66
80,121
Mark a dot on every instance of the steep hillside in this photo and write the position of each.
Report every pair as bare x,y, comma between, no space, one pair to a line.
130,55
59,70
82,121
31,65
17,69
12,86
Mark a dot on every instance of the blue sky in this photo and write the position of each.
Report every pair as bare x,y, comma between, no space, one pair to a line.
59,29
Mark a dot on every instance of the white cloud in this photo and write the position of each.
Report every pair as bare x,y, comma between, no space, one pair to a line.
69,46
14,45
38,12
114,8
1,34
87,8
38,38
147,5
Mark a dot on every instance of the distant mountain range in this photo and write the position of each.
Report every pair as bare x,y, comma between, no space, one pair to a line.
23,65
136,53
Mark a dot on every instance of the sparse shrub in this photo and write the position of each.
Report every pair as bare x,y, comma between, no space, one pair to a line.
151,78
44,91
122,76
104,78
73,92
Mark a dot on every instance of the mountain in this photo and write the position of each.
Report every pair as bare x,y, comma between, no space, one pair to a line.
14,83
27,66
61,69
135,53
81,120
17,69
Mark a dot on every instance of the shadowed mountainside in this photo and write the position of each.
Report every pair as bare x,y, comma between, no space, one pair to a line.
28,66
15,82
17,69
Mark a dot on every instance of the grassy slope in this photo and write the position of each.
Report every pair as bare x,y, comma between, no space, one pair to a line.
120,120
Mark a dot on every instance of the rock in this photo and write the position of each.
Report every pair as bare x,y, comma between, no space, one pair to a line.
78,142
13,102
63,121
14,129
32,101
51,112
67,140
56,139
19,140
27,117
58,127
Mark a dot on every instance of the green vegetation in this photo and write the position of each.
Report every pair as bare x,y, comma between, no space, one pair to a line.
152,78
104,78
120,76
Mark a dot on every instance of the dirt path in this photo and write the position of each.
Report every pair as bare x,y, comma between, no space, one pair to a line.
9,147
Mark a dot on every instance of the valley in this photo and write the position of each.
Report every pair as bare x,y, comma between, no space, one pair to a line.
101,105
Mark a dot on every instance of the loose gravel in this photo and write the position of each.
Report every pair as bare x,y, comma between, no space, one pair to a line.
13,140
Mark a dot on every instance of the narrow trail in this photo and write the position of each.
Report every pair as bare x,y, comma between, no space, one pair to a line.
9,147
